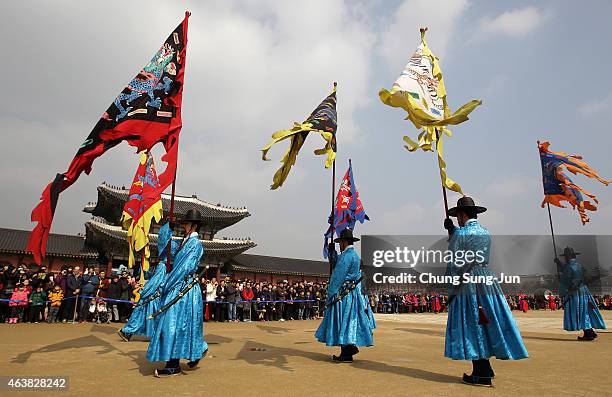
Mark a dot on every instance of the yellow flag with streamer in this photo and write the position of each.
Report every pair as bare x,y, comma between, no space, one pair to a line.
323,120
144,204
420,91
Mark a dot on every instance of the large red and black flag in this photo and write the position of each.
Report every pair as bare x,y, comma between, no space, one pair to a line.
146,112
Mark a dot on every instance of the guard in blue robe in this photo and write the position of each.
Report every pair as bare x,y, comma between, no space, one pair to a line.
580,309
348,321
179,329
149,303
480,324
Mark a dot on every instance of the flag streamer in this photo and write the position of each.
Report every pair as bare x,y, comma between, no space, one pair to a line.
146,112
420,91
144,205
559,187
323,120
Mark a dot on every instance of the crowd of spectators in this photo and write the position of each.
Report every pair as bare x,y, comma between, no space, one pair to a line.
397,302
244,300
89,295
70,295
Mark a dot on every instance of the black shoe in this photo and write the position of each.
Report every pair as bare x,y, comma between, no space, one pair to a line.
342,359
124,336
167,372
474,380
193,364
352,350
488,370
586,338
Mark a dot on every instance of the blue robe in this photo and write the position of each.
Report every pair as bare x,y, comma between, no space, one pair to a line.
349,321
580,309
179,331
465,338
139,322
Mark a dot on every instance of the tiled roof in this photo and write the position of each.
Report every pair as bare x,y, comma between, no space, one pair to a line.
209,211
15,241
219,246
276,265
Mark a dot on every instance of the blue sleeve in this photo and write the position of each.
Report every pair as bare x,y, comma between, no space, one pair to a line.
576,278
186,262
164,236
155,283
457,243
338,275
565,280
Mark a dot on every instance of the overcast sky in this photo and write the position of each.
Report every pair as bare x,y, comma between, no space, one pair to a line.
253,67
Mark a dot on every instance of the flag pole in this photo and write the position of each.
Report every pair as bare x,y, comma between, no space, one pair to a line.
423,30
333,189
171,218
441,181
552,230
171,214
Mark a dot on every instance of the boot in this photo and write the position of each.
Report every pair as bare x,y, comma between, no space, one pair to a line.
124,336
351,350
194,364
586,336
485,368
345,356
480,374
172,368
474,380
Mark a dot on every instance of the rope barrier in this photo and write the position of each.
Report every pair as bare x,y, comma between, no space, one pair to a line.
135,302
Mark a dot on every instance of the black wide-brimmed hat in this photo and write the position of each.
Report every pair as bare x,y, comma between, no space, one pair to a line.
466,203
569,252
193,216
346,235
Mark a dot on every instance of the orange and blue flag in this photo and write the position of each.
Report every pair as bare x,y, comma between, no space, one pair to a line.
559,187
144,204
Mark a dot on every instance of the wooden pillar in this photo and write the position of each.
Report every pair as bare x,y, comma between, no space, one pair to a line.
109,264
218,273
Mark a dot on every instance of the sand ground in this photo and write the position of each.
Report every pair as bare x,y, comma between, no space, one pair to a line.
283,358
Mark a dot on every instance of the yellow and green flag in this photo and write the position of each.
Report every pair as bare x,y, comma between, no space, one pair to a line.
144,204
420,91
323,120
